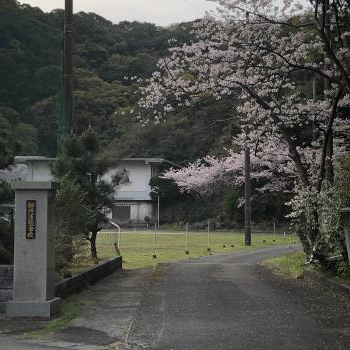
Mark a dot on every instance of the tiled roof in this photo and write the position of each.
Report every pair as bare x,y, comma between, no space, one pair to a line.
151,160
13,172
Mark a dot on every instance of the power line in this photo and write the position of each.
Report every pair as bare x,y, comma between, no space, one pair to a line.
213,124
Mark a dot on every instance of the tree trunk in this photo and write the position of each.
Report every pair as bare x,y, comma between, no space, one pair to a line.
303,236
327,86
93,243
329,159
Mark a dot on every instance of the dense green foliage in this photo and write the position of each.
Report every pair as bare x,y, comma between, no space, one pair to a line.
107,57
334,197
6,225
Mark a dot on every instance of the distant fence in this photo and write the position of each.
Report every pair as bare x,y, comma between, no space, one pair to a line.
147,242
203,226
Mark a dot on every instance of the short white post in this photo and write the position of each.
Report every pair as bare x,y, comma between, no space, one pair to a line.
208,248
119,237
117,247
187,251
158,211
155,242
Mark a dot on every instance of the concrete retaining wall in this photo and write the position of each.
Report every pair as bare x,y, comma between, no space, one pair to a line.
65,287
91,276
328,282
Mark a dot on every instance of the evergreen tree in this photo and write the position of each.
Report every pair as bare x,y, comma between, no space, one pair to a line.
81,163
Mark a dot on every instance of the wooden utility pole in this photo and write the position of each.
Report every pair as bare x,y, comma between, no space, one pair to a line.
247,195
247,188
67,127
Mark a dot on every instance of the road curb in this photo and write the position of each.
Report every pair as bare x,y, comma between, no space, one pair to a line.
328,282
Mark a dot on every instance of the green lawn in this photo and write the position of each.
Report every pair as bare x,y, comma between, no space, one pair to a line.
291,265
69,311
137,248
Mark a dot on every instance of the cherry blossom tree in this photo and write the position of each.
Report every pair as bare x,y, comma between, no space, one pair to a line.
273,170
269,56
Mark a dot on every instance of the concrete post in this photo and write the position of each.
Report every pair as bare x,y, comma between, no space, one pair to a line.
34,255
346,223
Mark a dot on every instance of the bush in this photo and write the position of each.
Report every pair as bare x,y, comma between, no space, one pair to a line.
319,214
6,234
5,255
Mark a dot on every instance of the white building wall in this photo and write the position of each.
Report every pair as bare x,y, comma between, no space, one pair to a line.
135,193
139,173
138,187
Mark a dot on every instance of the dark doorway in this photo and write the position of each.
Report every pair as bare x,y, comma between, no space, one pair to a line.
121,214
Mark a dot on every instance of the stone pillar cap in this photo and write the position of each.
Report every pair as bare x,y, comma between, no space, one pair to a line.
34,185
30,159
345,210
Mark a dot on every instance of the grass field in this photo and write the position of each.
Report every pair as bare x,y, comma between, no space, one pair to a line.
137,248
291,265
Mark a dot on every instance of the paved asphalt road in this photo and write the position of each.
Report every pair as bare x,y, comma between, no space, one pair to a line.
230,302
218,302
11,345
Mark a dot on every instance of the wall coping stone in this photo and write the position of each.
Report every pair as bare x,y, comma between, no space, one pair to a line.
34,185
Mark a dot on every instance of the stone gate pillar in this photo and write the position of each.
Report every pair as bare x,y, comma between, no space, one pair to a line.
34,255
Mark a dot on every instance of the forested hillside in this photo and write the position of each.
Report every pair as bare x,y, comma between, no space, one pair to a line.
106,57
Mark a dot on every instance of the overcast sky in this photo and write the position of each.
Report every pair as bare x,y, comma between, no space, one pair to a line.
161,12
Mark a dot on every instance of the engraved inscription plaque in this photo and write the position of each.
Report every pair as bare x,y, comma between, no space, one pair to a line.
31,219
